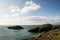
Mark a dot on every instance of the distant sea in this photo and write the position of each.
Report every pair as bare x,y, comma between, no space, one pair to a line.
10,34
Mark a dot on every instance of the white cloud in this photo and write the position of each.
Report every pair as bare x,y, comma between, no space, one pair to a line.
26,20
29,6
14,9
16,14
29,20
5,15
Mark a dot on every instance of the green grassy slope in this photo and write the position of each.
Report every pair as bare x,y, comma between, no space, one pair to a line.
53,34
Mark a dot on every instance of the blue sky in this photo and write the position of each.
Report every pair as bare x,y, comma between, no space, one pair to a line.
29,12
49,7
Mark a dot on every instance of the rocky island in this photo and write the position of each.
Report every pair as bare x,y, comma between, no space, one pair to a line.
15,27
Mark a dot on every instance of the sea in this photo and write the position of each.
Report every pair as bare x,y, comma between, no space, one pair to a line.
11,34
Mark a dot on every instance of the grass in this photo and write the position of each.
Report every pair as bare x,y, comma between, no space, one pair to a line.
53,34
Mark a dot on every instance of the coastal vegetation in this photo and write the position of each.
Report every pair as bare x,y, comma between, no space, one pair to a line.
45,32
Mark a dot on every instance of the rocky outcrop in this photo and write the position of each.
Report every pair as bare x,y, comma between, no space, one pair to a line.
49,35
41,28
15,27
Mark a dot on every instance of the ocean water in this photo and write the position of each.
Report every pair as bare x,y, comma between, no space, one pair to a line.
10,34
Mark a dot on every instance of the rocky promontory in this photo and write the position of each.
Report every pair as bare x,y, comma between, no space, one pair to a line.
41,28
45,32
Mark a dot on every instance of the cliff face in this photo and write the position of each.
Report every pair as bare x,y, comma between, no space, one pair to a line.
15,27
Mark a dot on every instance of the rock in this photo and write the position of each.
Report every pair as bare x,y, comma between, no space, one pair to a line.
15,27
34,30
41,28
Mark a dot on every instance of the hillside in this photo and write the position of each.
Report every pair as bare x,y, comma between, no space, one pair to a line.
53,34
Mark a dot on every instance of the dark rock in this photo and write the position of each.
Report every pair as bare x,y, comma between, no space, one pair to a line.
41,28
15,27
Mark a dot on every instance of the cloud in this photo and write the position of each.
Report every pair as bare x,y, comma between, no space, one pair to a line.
42,19
29,20
5,15
29,6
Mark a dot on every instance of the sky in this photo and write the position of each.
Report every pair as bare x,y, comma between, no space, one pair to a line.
29,12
